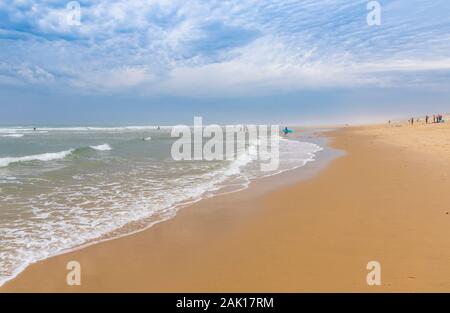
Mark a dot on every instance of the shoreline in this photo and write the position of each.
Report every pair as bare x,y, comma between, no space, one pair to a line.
270,182
378,202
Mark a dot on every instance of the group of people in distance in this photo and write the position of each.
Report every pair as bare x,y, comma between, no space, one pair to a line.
437,118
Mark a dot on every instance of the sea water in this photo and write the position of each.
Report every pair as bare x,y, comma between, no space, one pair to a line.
66,187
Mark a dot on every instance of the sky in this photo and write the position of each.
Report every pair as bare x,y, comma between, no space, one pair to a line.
256,61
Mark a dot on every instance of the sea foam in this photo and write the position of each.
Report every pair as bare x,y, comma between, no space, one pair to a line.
38,157
104,147
13,135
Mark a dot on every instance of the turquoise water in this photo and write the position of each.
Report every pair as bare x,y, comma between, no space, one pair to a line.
61,188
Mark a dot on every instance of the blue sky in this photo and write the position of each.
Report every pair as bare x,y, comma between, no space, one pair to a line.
281,61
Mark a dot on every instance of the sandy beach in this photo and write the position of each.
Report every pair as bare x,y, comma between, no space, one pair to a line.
386,200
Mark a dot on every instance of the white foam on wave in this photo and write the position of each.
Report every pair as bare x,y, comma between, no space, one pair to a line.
249,155
87,129
13,130
104,147
38,157
13,135
51,156
99,129
21,130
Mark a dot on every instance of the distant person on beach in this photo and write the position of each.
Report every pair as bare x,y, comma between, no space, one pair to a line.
434,118
426,119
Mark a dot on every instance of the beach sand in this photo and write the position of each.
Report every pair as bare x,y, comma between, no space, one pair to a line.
387,199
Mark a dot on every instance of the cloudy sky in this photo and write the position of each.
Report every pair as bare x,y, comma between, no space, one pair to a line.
284,61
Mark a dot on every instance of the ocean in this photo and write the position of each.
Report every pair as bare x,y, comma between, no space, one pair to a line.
62,188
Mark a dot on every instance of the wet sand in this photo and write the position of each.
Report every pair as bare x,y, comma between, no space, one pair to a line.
386,199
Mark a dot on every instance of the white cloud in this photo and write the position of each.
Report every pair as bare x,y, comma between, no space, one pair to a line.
199,47
118,78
